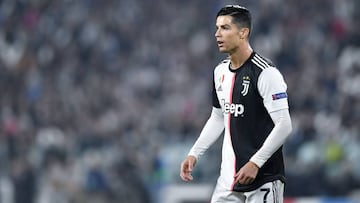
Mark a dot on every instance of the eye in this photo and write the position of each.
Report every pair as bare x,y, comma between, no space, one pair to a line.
225,27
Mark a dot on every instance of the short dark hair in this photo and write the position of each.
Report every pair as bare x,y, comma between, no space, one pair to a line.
241,15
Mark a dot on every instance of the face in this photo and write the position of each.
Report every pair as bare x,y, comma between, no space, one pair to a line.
228,35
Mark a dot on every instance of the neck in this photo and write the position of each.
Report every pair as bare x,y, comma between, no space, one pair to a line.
239,57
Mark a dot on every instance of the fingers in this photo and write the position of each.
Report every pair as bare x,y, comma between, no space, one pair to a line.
190,165
186,177
246,174
243,178
239,177
185,170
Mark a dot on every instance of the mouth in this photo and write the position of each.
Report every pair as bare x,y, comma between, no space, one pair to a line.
220,43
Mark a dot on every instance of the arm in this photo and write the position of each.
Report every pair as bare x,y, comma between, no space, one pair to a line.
276,138
272,143
209,134
272,88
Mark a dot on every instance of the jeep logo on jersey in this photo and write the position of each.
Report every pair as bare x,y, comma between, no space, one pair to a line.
236,109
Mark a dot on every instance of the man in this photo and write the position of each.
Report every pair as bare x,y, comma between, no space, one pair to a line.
250,103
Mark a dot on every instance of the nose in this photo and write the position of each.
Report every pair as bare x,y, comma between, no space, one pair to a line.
217,33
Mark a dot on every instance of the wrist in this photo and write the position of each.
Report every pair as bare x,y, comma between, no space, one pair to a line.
254,164
258,162
194,158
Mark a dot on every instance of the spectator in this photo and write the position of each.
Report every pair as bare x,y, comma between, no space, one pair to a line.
135,72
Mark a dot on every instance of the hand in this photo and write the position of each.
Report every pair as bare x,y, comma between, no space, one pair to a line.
247,173
186,168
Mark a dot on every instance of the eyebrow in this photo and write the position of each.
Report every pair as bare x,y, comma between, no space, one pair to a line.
223,25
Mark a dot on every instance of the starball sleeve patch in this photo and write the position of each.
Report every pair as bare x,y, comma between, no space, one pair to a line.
280,95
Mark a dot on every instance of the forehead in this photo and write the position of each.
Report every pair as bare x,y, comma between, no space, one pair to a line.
224,20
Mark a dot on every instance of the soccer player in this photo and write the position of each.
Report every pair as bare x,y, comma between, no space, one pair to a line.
250,103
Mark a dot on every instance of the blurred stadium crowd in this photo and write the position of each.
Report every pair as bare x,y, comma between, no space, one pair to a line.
91,90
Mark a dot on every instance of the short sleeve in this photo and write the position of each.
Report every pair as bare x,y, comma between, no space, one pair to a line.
272,88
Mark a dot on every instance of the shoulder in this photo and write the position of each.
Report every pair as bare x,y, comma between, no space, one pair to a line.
271,77
261,62
223,65
271,73
266,71
224,62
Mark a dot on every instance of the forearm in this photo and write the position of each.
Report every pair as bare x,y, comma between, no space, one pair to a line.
276,138
209,134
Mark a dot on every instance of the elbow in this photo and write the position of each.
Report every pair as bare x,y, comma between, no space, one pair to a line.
286,126
289,128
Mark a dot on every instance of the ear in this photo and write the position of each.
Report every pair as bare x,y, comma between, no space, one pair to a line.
244,33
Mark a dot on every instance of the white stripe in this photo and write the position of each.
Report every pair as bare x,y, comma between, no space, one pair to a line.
262,61
274,191
264,65
260,66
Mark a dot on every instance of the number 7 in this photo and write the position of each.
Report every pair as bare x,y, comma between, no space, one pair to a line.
266,190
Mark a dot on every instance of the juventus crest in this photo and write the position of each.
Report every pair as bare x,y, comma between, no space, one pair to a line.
245,83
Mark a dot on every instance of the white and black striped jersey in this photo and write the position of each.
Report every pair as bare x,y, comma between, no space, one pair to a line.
246,96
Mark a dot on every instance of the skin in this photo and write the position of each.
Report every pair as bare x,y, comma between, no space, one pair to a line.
234,41
186,168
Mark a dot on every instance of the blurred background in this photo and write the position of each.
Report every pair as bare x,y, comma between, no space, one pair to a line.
100,101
